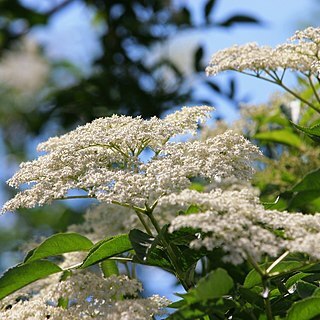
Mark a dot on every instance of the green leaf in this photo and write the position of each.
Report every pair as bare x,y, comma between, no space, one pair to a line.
107,248
253,296
305,309
177,244
316,293
284,267
216,284
206,298
109,268
305,289
303,198
23,274
148,250
253,278
311,181
280,136
58,244
292,280
313,132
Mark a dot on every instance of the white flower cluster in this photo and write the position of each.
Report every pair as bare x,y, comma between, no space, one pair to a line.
103,160
88,297
105,220
236,222
301,53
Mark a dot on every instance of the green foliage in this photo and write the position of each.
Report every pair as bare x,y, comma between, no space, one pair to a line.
254,278
313,132
58,244
107,248
310,182
23,274
205,298
109,267
280,136
305,310
148,250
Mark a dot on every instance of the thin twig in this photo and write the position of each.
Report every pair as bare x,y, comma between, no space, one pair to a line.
277,261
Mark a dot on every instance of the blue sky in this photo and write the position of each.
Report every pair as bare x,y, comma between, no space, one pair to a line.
71,35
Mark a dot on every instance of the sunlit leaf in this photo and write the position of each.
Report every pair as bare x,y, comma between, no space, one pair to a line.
58,244
107,248
23,274
280,136
305,309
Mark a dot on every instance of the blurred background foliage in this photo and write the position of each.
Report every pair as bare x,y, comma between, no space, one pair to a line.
40,97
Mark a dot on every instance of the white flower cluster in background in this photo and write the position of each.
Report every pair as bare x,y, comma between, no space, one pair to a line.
103,160
89,297
236,222
105,220
24,69
300,53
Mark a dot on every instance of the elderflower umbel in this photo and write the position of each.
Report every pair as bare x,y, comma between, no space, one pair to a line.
300,53
102,159
89,297
236,222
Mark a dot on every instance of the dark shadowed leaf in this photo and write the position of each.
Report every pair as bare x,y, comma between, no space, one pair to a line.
197,59
305,289
148,250
213,86
238,18
208,8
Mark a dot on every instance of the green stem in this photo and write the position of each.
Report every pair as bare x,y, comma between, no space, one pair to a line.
140,216
256,266
300,98
138,211
121,259
280,83
313,88
153,221
133,271
75,197
265,283
171,254
175,262
265,295
277,261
